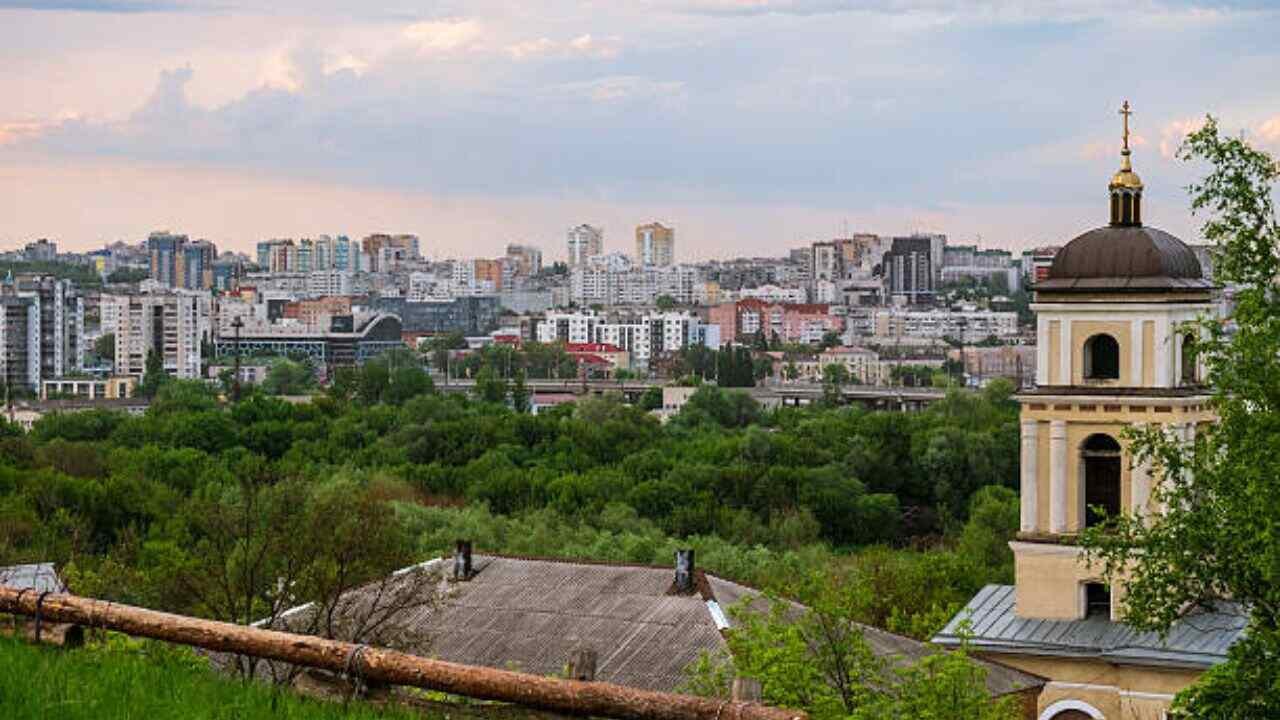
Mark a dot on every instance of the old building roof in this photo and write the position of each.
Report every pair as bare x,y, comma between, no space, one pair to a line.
533,614
1199,640
41,577
1124,258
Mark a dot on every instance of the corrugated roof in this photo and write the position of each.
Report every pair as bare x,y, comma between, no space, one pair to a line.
41,577
1197,641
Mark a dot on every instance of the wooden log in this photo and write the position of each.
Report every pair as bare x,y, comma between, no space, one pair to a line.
747,689
388,666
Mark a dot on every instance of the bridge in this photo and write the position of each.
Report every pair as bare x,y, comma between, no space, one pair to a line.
791,394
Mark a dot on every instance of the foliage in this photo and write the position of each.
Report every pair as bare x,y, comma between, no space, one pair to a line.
84,276
1219,537
105,347
128,275
817,659
123,678
289,377
154,375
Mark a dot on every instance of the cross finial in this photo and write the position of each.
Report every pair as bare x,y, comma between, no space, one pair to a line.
1126,112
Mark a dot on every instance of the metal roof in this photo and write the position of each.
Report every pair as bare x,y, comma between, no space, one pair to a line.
41,577
1199,640
1116,257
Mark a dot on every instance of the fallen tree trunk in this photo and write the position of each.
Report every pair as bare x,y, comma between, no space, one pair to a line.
388,666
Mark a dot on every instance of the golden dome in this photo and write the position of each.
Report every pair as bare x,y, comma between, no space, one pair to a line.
1126,178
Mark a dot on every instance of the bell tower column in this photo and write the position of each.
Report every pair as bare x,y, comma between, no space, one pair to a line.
1058,476
1030,474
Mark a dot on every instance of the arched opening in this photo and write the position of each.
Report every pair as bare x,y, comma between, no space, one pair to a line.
1188,360
1101,358
1115,208
1128,210
1101,458
1071,710
1137,209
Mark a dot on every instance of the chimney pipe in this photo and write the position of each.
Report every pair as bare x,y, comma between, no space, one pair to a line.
462,560
684,571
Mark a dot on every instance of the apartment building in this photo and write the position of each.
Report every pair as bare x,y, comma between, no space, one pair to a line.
583,242
42,331
175,324
655,245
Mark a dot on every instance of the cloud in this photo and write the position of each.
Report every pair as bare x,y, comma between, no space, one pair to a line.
432,36
97,6
585,45
625,88
1269,130
1173,133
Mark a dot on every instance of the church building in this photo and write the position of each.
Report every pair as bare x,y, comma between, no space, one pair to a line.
1110,341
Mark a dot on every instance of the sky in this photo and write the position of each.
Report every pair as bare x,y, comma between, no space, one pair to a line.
751,126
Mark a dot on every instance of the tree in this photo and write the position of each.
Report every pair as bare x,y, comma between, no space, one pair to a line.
664,302
128,275
288,377
834,377
520,394
490,387
651,398
105,347
1218,537
817,659
830,339
154,375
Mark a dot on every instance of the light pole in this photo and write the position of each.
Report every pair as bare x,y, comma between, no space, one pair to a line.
236,324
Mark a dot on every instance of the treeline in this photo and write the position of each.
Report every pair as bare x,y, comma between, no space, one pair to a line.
156,508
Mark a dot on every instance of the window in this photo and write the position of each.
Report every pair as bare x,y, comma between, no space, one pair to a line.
1188,360
1101,358
1101,460
1097,600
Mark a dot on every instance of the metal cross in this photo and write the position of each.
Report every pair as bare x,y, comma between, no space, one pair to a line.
1126,112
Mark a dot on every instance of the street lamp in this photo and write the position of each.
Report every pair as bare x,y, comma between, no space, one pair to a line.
236,324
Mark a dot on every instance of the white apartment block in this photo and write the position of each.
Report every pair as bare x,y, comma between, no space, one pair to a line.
775,294
593,285
644,336
175,324
968,326
329,282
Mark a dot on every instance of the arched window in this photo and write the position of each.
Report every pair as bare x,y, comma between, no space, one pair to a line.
1137,209
1101,358
1115,208
1101,458
1188,360
1128,209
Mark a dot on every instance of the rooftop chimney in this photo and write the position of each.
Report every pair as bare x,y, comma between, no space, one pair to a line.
684,571
462,560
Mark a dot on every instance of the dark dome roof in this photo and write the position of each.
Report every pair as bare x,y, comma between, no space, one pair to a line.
1125,257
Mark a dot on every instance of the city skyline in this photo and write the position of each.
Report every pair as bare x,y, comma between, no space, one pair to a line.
751,126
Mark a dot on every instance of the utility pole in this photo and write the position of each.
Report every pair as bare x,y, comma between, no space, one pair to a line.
236,324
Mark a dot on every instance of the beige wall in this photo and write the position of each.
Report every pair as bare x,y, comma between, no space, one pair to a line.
1119,692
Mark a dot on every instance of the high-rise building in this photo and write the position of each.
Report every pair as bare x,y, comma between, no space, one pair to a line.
306,256
655,245
527,259
386,252
175,261
166,252
174,324
42,333
1112,338
583,242
908,269
42,250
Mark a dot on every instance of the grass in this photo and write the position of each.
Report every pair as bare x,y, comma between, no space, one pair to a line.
126,679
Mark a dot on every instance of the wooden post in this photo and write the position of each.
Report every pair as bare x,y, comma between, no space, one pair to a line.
746,690
599,699
582,666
